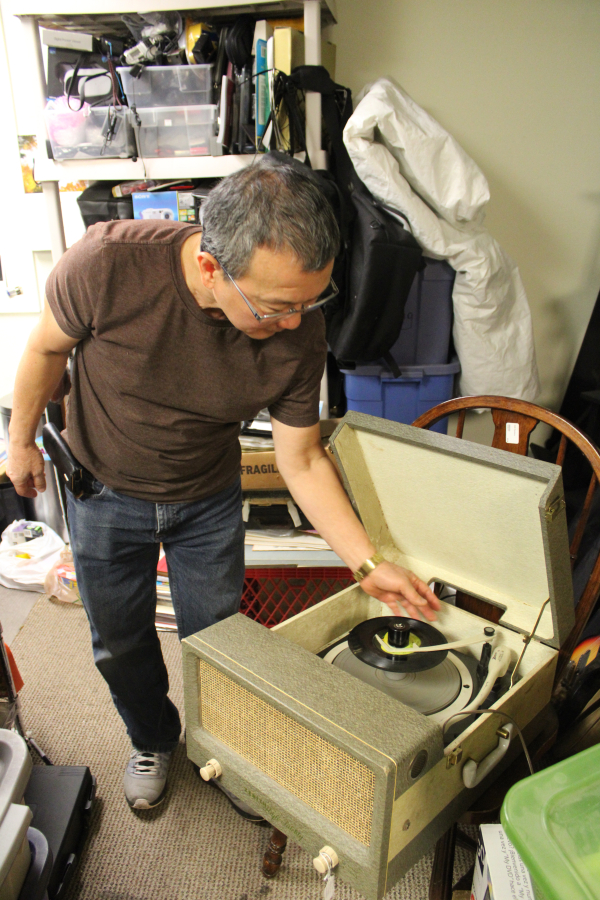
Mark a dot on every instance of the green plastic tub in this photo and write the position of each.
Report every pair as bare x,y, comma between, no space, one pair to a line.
553,820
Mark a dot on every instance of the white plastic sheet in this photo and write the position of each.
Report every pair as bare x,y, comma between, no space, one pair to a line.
413,166
28,574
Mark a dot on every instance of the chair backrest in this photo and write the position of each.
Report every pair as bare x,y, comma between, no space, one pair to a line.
514,420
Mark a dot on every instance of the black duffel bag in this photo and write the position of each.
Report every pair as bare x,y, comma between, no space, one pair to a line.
379,257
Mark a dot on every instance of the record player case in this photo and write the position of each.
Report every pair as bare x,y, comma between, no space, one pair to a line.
329,760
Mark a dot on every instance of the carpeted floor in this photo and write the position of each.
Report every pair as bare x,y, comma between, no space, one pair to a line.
193,846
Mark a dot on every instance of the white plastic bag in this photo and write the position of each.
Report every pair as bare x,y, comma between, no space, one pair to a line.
61,581
24,566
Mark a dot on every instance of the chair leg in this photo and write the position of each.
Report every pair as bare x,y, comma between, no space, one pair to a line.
440,884
274,854
466,882
464,840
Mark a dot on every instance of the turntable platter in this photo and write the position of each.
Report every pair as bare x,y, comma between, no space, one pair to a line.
427,691
438,692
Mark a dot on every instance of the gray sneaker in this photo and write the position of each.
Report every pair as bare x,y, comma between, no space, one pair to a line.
145,779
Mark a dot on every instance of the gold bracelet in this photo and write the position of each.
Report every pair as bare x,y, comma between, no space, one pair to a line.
368,566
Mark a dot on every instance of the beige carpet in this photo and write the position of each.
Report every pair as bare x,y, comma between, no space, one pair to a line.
192,847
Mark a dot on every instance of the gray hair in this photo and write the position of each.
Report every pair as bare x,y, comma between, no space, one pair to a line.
275,203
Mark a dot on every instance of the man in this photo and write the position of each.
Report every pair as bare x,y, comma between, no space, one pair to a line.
176,342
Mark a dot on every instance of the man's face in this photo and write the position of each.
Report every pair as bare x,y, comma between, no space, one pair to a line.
274,283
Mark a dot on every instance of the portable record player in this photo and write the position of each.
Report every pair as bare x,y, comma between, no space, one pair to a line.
354,732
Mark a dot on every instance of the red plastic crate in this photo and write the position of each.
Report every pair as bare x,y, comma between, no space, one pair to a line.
272,595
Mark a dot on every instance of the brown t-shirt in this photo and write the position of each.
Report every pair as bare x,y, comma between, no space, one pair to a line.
160,388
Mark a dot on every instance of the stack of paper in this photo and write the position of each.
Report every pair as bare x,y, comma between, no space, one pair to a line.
271,539
252,442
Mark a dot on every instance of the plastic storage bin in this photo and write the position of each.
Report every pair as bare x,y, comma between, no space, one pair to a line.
89,133
40,869
553,820
163,86
373,390
15,855
427,326
176,131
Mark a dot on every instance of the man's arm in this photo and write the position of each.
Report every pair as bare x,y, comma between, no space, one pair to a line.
314,483
39,375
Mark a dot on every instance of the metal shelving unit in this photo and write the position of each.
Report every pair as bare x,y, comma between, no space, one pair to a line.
94,16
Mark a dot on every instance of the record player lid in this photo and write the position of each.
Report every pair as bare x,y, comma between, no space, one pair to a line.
488,522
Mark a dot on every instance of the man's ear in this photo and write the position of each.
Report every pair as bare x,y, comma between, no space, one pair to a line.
208,268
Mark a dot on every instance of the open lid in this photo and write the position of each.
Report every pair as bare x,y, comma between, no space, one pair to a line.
485,521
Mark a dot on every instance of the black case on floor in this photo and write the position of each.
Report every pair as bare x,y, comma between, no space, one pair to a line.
60,798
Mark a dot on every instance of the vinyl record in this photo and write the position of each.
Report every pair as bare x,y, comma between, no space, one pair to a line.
368,641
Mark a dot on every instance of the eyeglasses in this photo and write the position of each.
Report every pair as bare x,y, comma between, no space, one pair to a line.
331,291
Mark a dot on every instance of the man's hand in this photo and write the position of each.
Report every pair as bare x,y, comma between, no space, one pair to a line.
398,587
25,469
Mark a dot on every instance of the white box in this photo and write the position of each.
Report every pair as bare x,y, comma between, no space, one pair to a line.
500,873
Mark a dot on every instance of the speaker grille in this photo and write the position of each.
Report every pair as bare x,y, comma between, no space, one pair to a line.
326,778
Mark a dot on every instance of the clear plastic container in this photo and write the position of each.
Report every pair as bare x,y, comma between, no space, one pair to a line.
161,86
553,820
91,132
176,131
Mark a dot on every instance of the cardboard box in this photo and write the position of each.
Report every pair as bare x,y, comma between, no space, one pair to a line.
260,472
259,468
500,873
178,206
155,205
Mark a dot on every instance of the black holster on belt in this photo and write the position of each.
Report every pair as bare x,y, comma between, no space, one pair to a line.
71,472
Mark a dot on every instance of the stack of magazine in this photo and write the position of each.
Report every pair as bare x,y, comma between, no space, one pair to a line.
165,614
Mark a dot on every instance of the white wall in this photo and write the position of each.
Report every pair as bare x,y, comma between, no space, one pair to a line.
24,233
517,83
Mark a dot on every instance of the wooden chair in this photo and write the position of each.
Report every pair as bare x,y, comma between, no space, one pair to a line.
516,419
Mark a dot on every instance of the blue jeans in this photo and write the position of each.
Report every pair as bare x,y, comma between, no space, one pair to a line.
115,542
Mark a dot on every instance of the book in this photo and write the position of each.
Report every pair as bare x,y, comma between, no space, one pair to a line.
225,110
270,77
288,52
288,49
328,57
263,30
263,103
